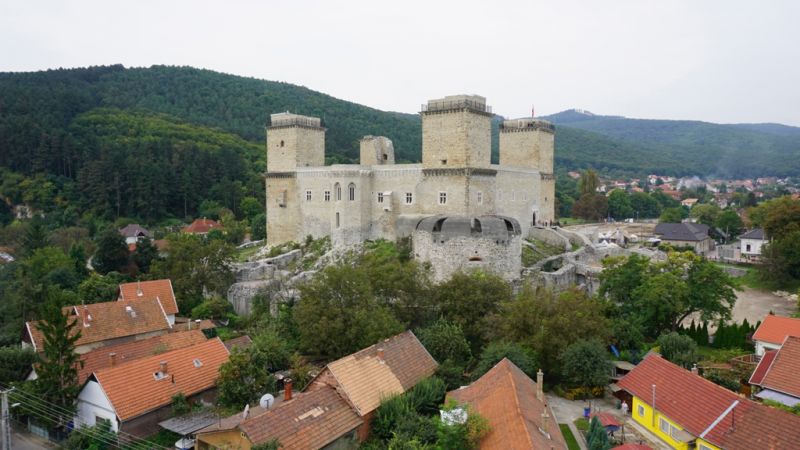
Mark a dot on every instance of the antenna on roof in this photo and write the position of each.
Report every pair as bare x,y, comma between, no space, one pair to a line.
246,411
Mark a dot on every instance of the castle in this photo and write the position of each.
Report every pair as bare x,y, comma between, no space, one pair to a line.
456,187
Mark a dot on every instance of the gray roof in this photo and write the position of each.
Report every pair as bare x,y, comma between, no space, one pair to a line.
490,227
682,231
756,233
134,230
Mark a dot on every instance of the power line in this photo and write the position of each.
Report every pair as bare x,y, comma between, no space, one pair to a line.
57,413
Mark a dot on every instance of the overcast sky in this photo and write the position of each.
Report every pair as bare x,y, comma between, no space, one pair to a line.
720,61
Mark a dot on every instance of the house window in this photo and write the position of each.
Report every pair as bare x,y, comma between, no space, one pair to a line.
327,196
442,198
352,190
748,248
101,420
380,197
338,189
663,425
409,198
480,197
701,446
640,410
308,195
337,220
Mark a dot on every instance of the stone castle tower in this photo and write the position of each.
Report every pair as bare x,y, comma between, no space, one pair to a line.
380,199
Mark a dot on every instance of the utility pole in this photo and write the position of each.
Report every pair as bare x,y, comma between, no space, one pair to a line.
6,444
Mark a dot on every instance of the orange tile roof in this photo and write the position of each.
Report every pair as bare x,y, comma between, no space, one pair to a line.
366,378
763,366
130,351
707,410
506,397
311,420
161,289
99,322
783,375
133,389
241,342
774,329
202,226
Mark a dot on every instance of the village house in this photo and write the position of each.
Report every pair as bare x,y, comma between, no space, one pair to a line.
202,226
155,289
515,407
133,233
694,235
689,202
773,331
134,396
337,406
687,411
752,243
778,374
108,323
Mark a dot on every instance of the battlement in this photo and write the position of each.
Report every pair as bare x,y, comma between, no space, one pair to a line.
287,119
526,124
474,103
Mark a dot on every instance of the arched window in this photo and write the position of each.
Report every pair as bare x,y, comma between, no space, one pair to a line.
352,189
338,188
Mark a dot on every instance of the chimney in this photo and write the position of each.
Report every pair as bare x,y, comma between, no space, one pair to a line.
139,292
112,358
545,418
694,369
163,365
287,389
381,354
539,383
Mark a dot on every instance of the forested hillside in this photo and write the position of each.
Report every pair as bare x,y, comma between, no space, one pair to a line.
680,147
153,143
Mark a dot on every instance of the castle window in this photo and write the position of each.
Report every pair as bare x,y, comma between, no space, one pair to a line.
409,198
380,197
352,190
442,198
337,220
281,143
444,162
327,196
480,197
385,157
308,195
338,190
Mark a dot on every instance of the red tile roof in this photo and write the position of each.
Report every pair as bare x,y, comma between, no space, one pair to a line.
130,351
99,322
763,367
366,377
202,226
241,342
783,375
133,389
506,397
632,447
707,410
311,420
775,328
606,419
160,289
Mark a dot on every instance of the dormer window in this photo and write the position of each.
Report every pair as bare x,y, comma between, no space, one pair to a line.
197,363
159,375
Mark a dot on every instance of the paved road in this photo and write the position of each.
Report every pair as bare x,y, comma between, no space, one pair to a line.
26,441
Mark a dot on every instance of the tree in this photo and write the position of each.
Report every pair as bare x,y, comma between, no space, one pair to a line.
146,252
58,365
678,349
781,259
445,341
660,295
112,252
706,213
729,222
645,206
198,268
97,437
216,308
548,323
242,381
619,205
585,364
15,363
589,182
522,357
97,288
338,313
466,300
597,437
673,215
35,235
590,207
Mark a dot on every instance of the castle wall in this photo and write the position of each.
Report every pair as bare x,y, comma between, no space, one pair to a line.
456,138
466,253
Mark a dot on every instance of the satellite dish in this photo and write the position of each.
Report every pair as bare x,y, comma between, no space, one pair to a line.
267,400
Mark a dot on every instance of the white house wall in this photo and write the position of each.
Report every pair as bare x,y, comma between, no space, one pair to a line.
93,403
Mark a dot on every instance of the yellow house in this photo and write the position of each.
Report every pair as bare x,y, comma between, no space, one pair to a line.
689,412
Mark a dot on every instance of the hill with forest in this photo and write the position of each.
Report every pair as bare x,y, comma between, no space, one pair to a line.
156,142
